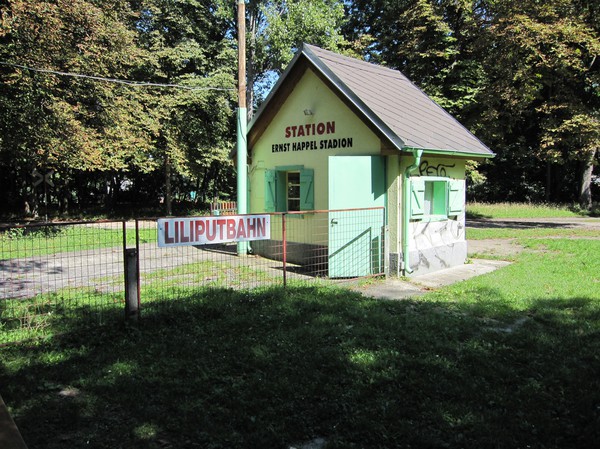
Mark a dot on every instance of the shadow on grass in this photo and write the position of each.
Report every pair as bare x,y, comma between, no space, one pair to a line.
271,368
476,215
516,224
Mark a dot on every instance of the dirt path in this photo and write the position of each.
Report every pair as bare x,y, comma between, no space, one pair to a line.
528,223
103,269
510,247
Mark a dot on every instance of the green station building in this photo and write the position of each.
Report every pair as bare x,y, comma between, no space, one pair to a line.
348,134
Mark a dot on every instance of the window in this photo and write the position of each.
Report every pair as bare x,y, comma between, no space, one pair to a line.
289,189
434,198
293,191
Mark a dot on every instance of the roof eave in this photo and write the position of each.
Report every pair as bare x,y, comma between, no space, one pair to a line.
274,90
458,153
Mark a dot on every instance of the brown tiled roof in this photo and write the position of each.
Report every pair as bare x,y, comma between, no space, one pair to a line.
388,100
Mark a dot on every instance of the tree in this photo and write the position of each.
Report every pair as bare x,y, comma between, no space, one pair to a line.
431,42
188,45
67,124
543,75
523,76
275,29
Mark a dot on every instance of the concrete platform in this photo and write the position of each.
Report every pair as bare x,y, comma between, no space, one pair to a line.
394,288
459,273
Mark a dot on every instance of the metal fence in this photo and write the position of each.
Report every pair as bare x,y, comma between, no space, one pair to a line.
54,274
223,207
51,273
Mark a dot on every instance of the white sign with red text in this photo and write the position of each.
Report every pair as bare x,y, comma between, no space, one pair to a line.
210,230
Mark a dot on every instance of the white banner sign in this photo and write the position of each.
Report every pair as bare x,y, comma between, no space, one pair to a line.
209,230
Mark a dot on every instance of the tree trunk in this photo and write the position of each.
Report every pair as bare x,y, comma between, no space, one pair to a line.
113,192
64,198
585,193
32,205
202,191
548,192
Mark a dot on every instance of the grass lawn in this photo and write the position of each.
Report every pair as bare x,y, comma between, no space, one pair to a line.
506,360
520,210
38,241
46,315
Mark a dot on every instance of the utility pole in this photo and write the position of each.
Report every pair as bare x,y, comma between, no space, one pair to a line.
242,123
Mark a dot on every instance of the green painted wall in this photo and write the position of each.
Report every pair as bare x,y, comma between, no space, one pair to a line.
425,235
295,139
394,189
309,94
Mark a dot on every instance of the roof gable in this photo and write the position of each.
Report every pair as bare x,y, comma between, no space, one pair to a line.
394,107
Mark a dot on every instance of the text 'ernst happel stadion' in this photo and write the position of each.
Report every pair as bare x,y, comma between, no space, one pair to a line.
311,130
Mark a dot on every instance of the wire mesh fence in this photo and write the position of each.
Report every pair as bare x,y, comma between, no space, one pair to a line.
324,246
53,274
168,274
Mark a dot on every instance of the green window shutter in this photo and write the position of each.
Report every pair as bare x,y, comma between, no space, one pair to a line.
270,190
440,198
456,196
280,191
417,197
307,189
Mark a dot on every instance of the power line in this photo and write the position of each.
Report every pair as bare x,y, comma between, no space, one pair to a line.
115,80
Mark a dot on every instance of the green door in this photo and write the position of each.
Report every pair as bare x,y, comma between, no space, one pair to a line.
355,236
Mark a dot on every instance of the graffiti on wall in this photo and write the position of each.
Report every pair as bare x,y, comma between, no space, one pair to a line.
425,169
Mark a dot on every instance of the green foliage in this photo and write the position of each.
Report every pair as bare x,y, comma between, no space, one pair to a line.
80,127
430,42
69,123
474,178
542,86
276,29
289,24
523,76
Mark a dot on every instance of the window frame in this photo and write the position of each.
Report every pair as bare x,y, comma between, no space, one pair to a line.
276,188
288,187
436,198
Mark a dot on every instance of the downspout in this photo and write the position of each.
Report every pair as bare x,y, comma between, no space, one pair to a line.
406,209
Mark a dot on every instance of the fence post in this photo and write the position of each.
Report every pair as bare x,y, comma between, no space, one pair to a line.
284,242
131,284
137,266
386,250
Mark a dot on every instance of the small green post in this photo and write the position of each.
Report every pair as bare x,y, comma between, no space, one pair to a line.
242,123
242,172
